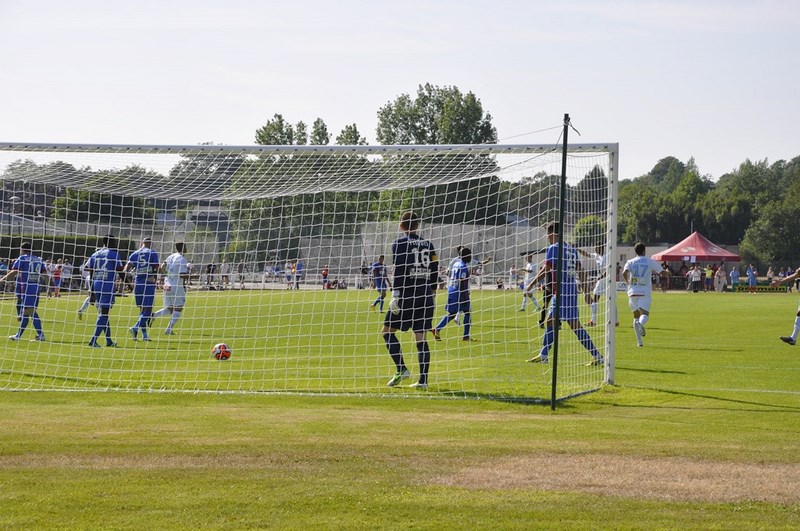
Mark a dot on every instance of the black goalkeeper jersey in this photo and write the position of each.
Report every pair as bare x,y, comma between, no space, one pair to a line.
416,266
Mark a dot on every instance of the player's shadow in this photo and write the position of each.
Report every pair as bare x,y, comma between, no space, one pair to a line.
658,371
781,408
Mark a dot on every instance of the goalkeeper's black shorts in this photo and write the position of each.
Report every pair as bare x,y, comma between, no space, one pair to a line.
416,313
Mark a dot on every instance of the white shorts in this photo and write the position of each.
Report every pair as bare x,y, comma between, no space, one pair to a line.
640,302
174,297
599,288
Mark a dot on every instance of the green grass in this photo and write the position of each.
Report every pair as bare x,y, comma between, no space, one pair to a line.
713,386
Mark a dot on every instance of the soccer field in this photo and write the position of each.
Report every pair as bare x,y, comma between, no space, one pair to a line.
700,433
306,341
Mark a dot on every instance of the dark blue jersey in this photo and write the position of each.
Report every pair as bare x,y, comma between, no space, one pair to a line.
104,265
416,266
30,268
145,264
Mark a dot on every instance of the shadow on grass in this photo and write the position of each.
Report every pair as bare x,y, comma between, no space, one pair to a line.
658,371
773,407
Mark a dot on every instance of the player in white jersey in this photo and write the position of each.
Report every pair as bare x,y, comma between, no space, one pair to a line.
528,294
176,271
600,270
638,274
789,279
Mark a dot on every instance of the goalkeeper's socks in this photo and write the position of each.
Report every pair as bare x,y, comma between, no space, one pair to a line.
424,357
393,346
796,330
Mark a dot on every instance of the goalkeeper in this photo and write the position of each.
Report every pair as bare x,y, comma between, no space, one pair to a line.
416,268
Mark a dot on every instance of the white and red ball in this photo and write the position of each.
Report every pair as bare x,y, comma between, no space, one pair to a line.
221,351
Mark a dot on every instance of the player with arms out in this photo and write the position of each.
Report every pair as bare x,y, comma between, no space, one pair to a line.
144,264
27,270
567,298
416,273
382,282
176,269
601,261
638,274
458,300
103,267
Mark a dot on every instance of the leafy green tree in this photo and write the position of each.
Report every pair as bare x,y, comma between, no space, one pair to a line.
351,137
278,132
319,133
590,231
438,115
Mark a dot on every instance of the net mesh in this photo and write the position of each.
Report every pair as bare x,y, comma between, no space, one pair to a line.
282,244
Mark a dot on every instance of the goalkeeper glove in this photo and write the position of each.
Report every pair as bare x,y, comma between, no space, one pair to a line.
394,303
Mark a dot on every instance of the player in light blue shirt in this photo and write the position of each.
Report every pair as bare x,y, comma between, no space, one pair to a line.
103,266
566,298
27,269
382,282
144,265
457,294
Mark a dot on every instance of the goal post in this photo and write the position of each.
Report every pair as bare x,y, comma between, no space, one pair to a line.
284,244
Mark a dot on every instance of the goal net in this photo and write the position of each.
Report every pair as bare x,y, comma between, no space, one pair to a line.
283,248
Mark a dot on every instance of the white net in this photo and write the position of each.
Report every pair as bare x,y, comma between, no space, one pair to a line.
282,245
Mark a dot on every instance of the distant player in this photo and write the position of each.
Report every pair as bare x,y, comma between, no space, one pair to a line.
176,269
638,274
529,294
382,283
601,263
458,300
567,298
792,339
86,281
103,266
28,271
416,272
144,265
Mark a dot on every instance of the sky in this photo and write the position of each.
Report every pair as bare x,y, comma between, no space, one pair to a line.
713,80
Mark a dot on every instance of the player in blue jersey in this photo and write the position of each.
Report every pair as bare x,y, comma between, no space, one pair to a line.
28,270
144,265
567,298
103,266
458,300
382,282
416,273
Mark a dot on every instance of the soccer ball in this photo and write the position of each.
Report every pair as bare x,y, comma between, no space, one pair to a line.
221,351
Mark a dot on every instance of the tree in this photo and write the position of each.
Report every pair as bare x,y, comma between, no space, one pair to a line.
351,137
438,115
319,133
278,132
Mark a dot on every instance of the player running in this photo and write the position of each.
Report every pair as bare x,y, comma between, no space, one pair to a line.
567,298
416,273
103,267
27,270
792,339
601,261
382,282
144,264
638,274
176,269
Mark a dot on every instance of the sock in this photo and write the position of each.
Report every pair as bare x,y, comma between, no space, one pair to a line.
643,319
446,319
593,306
144,319
636,331
393,346
524,300
586,341
37,324
161,313
376,301
23,325
381,303
100,326
85,304
175,316
547,340
467,323
424,357
19,308
796,330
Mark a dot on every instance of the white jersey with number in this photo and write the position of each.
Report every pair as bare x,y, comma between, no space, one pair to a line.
641,270
175,266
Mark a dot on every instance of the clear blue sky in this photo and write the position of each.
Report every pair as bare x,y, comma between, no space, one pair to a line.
717,81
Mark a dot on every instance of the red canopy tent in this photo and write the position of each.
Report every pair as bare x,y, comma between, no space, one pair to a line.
698,246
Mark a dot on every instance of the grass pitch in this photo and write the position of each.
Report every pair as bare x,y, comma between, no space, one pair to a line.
700,432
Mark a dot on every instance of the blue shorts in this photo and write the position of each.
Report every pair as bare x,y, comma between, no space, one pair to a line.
145,294
29,300
568,307
380,285
104,299
455,304
416,313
